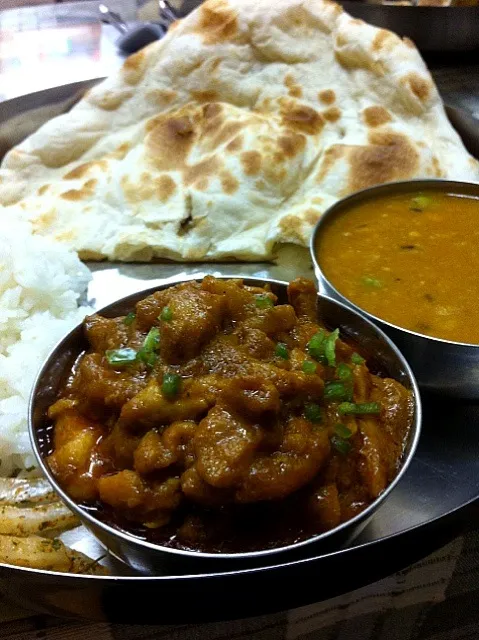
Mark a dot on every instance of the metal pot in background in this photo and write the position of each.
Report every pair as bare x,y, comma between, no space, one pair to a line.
430,28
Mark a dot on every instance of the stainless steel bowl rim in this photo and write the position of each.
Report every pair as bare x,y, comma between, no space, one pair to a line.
112,531
334,210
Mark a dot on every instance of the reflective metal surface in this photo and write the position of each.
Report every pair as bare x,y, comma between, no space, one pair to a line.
439,365
150,558
433,502
430,28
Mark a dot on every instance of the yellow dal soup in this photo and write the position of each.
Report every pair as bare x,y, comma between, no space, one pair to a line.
410,259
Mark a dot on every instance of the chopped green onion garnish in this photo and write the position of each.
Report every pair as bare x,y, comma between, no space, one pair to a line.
148,357
337,391
313,413
344,372
330,347
357,359
419,203
353,408
147,352
309,367
119,357
152,340
263,301
371,282
171,385
129,318
342,446
166,314
342,431
281,351
315,346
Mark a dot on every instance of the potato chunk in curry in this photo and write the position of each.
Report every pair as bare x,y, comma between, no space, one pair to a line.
215,418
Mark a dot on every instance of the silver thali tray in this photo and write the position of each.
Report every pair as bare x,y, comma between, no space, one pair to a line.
438,495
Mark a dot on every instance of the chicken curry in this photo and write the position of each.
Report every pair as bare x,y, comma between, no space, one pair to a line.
212,418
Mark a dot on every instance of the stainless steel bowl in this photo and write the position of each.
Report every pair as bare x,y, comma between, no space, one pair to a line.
151,558
439,365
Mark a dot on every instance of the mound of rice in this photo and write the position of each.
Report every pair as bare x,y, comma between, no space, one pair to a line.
41,284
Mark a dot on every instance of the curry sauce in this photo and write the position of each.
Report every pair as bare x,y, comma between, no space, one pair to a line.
410,259
213,418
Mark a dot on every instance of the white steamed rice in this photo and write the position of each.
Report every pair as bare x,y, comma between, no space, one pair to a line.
40,287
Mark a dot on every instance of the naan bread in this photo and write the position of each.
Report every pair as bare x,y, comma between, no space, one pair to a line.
232,135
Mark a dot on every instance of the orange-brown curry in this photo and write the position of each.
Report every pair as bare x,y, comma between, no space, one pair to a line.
212,418
410,259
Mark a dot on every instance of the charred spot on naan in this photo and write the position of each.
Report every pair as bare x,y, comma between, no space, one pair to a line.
301,117
436,168
204,96
290,144
42,190
333,114
327,96
135,65
170,139
217,23
83,169
229,183
385,40
312,216
350,56
294,89
199,172
148,187
420,86
389,156
85,192
235,145
110,100
375,116
161,97
251,162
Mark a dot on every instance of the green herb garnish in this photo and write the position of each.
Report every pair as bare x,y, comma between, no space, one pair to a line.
371,282
129,318
309,366
330,347
166,314
359,408
147,352
119,357
313,413
315,346
342,446
171,385
152,339
281,351
357,359
420,202
342,431
263,301
337,391
343,372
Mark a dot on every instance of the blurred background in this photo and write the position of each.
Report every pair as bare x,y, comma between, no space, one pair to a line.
45,44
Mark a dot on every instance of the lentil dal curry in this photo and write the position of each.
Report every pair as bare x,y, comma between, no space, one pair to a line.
212,418
410,259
